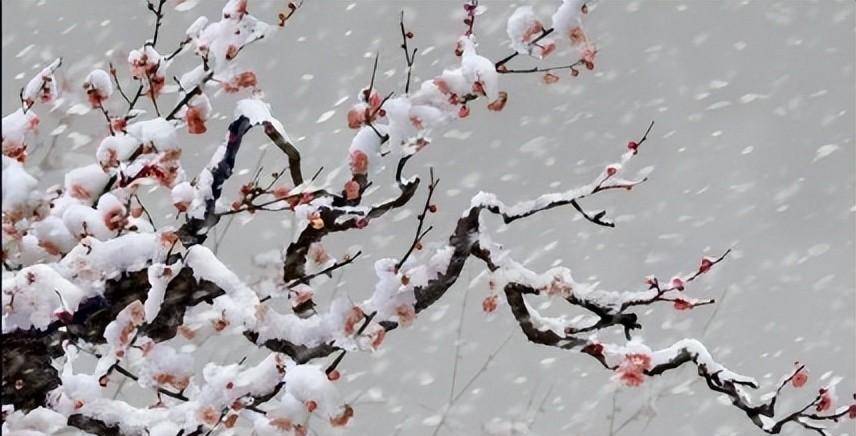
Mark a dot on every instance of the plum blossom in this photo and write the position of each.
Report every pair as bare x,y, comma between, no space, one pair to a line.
98,87
197,112
352,317
706,264
406,314
489,304
18,129
359,162
352,190
523,29
826,400
148,66
42,88
681,304
800,378
631,371
121,331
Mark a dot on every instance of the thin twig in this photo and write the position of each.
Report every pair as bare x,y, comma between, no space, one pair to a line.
409,57
508,58
117,84
540,69
158,18
419,233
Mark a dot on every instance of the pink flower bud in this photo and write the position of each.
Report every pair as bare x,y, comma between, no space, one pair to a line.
547,49
706,263
64,316
195,121
611,170
352,190
359,162
281,192
499,103
678,283
681,304
489,303
356,118
800,378
825,402
464,112
651,281
633,146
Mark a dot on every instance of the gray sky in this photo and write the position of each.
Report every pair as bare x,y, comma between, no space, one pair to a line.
747,97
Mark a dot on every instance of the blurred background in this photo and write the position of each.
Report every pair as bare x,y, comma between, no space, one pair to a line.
753,149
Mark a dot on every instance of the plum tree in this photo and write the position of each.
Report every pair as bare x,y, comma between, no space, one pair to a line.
87,272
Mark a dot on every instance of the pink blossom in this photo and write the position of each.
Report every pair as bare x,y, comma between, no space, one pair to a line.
800,378
633,146
548,48
342,419
352,190
559,287
442,86
498,104
195,121
246,79
651,281
356,117
115,218
463,112
588,56
359,162
311,405
681,304
489,303
612,170
300,296
353,316
533,31
406,314
550,78
377,333
825,402
317,253
281,191
632,370
577,35
705,265
678,283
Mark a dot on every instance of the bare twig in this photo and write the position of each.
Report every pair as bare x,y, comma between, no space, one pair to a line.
417,239
409,57
158,11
